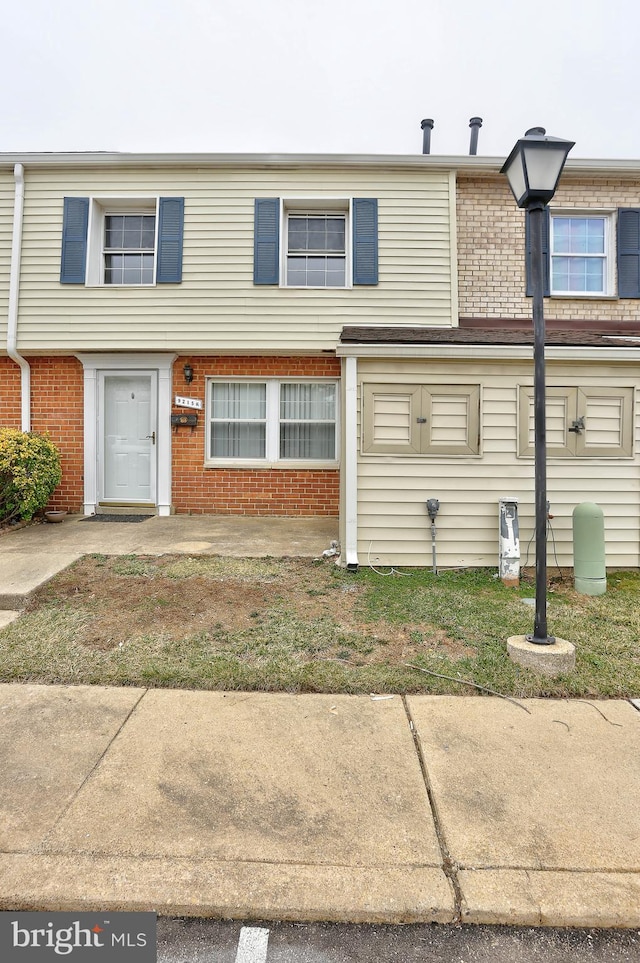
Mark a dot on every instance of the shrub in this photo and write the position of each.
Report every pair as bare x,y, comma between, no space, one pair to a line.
29,473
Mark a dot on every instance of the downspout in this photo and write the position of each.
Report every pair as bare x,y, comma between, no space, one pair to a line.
350,465
14,293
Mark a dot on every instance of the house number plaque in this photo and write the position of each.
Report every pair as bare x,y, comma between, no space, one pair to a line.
188,402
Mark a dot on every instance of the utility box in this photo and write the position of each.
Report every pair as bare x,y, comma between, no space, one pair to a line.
589,562
509,541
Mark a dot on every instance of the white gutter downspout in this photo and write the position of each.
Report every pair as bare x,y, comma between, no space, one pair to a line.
350,548
14,292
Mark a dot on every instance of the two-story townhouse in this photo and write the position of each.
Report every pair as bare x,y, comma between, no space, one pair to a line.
172,321
447,413
305,335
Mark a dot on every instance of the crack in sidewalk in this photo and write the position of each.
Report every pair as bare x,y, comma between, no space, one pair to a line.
40,848
449,865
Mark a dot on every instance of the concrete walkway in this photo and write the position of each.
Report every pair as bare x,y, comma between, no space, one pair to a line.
30,556
312,807
306,807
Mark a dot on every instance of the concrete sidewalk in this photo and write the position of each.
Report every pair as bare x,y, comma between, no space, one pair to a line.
313,807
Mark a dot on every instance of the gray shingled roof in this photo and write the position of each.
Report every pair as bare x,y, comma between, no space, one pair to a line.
361,334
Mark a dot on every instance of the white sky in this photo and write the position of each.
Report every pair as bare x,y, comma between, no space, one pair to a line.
329,76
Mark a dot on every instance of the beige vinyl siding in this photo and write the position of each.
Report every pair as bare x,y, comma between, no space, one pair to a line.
393,525
6,230
217,307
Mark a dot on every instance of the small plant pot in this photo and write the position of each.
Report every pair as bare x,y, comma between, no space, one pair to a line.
55,516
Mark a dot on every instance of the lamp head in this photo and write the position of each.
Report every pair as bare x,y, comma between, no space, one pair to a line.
534,166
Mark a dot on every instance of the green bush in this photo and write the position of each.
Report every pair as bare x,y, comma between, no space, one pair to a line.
29,473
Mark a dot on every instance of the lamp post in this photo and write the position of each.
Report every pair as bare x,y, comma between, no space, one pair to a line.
533,170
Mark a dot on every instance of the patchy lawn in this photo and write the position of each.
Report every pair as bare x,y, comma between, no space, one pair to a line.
303,626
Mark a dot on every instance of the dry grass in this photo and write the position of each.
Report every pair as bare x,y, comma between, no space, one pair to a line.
297,625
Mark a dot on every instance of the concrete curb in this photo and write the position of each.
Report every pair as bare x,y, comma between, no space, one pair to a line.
525,898
227,890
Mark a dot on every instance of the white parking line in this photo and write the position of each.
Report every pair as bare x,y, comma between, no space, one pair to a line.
252,945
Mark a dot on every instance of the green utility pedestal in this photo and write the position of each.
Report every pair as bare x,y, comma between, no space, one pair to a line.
589,566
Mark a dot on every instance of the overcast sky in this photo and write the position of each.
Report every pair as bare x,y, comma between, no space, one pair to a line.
329,76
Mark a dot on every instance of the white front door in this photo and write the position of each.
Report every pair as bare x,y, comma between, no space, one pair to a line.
129,435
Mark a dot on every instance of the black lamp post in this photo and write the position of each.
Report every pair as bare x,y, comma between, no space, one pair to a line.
533,170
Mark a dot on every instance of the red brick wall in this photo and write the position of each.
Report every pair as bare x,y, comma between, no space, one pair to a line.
57,409
9,394
237,491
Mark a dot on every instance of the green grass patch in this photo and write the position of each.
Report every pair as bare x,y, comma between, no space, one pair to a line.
296,626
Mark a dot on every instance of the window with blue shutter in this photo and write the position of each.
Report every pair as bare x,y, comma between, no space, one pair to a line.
75,223
629,253
170,238
122,249
266,241
315,243
365,240
545,254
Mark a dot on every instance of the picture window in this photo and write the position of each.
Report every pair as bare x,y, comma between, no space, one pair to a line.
272,421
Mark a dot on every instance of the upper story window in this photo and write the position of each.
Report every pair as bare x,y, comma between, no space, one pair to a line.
316,250
129,248
122,241
580,254
588,254
316,243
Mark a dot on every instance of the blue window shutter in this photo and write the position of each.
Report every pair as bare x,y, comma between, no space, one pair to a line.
629,253
546,254
365,240
75,223
266,241
170,236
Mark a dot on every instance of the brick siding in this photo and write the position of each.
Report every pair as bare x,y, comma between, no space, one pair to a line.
9,394
57,409
239,491
491,249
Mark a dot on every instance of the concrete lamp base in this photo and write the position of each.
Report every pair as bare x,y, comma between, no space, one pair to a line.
551,660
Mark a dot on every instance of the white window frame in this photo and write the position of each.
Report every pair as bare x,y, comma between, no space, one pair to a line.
609,255
340,206
272,442
99,208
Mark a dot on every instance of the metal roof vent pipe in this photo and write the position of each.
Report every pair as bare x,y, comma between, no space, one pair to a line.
475,124
427,127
